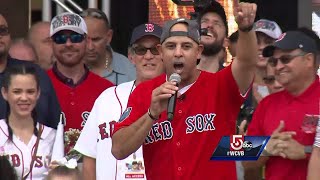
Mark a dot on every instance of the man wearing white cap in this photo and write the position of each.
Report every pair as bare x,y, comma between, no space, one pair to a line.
76,87
267,32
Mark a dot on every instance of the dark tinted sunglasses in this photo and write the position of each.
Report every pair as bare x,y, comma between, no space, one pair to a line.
4,30
62,38
269,79
140,50
283,59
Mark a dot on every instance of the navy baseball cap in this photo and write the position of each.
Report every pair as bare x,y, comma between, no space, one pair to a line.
192,32
148,29
292,40
215,7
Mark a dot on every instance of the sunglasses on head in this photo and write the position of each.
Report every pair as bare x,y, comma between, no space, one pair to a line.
269,79
62,38
283,59
4,30
140,50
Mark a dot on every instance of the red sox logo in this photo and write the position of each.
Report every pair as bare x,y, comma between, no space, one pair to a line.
198,123
65,19
40,161
149,28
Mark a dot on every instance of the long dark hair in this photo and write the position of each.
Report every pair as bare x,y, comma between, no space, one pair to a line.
7,171
20,69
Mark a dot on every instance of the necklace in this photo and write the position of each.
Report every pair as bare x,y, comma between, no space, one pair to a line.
107,62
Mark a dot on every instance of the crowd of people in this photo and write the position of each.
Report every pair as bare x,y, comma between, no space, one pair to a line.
68,99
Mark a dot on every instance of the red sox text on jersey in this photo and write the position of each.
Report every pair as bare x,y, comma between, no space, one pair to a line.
41,161
103,130
163,130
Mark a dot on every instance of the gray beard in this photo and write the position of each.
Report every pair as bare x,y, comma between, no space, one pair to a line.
212,49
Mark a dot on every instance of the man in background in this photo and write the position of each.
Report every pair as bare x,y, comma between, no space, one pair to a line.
100,57
95,140
77,88
38,36
24,50
213,21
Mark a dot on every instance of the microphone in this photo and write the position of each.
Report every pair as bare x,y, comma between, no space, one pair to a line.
204,31
172,100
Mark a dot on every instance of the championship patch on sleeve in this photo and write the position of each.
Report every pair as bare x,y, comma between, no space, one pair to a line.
125,114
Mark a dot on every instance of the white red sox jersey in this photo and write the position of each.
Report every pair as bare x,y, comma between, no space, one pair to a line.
182,148
95,140
20,154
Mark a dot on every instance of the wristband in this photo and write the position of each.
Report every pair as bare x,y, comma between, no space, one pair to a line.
247,29
308,149
265,152
151,116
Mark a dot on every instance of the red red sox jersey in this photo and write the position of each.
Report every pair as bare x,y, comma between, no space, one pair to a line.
181,148
292,110
77,102
20,154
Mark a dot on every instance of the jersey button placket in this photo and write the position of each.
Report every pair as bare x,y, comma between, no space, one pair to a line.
179,171
72,97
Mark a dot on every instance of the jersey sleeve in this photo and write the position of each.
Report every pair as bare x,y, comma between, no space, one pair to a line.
137,107
87,142
317,138
229,94
230,85
58,145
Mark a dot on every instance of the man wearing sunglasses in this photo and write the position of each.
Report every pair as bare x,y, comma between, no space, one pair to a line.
271,81
95,139
77,88
48,108
100,57
280,115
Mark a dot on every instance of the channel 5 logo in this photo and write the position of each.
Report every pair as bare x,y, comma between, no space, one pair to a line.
239,147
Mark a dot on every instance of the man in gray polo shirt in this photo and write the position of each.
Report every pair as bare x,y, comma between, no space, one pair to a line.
100,57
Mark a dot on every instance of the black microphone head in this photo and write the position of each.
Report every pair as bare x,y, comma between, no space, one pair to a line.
175,78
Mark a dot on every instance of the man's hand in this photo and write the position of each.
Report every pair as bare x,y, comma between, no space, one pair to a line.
277,138
292,149
160,96
244,14
242,127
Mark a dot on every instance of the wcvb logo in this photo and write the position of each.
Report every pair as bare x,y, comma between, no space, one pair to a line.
238,143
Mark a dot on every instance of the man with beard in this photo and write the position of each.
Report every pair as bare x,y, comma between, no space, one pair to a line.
48,108
77,88
213,20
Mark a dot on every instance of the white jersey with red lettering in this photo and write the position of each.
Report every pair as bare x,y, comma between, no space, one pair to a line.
95,140
20,154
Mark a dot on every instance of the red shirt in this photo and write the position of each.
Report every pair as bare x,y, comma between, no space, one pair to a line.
181,148
76,102
290,109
